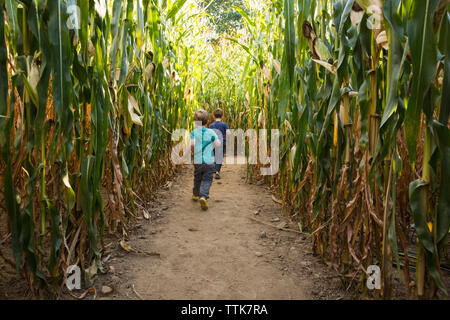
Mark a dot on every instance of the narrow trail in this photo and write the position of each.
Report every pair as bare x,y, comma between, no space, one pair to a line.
220,253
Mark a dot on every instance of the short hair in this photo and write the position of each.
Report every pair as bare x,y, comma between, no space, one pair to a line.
218,113
201,115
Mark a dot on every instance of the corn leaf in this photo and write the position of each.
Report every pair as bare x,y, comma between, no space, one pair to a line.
61,60
424,58
175,8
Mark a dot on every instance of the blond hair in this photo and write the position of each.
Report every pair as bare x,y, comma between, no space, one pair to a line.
201,115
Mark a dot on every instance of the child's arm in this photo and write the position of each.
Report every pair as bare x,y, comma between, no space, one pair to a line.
227,132
217,143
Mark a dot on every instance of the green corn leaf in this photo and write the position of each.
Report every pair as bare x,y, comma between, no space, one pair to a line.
61,60
417,193
443,211
288,62
392,233
246,48
115,35
124,63
175,8
87,203
6,121
396,58
245,15
417,202
345,15
434,272
289,39
424,58
28,226
56,238
444,45
3,77
30,90
11,9
83,33
140,25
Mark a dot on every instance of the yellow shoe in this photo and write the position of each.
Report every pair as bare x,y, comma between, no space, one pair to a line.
195,198
204,203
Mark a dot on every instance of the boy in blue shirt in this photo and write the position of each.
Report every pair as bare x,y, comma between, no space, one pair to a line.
203,142
221,129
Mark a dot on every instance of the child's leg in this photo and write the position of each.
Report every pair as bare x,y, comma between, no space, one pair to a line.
207,179
219,162
197,180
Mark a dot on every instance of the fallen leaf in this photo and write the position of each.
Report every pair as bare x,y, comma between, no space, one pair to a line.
125,246
277,200
84,294
91,272
137,294
282,225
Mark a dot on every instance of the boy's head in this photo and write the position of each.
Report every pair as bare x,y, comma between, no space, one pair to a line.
201,116
218,114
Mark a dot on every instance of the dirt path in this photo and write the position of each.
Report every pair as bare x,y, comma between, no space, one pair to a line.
218,254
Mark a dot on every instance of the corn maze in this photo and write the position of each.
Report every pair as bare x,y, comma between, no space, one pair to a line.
90,92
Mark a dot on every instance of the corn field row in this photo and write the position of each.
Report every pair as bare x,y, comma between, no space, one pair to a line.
359,89
88,99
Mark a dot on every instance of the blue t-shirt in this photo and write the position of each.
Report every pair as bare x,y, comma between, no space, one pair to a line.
204,145
221,127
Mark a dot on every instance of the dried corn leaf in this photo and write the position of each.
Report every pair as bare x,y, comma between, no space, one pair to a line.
277,200
125,246
326,65
133,109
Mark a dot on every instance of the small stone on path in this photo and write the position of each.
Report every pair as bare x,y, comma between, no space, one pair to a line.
106,290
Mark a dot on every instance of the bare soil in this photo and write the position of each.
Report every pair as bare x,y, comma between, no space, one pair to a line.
220,253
